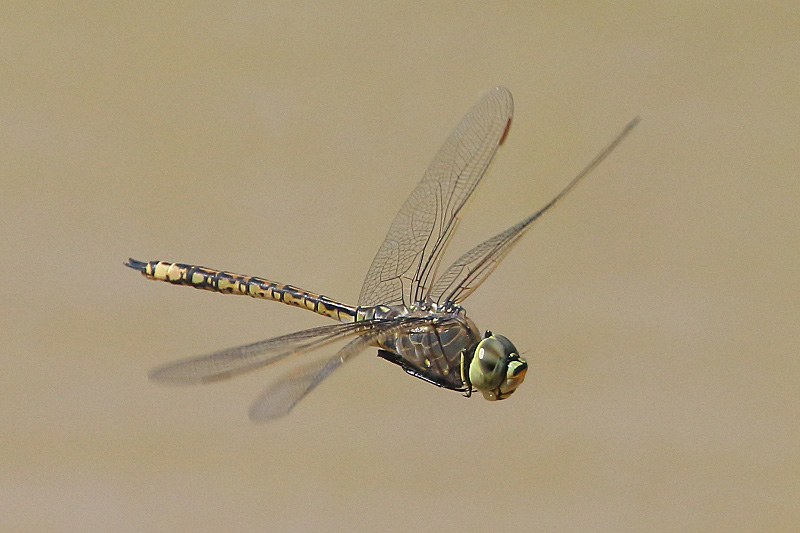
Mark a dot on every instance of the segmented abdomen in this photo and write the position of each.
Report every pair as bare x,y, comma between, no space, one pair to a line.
229,283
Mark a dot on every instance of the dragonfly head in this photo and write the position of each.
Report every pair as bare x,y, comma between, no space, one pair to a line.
496,368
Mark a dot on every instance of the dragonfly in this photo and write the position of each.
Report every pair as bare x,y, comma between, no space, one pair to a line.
407,309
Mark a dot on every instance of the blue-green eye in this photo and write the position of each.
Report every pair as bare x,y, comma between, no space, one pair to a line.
487,369
496,369
488,361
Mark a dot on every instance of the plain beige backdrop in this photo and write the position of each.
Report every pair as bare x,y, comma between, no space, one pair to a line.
657,306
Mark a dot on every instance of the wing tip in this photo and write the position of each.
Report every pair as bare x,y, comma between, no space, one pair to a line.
259,414
505,93
505,132
174,375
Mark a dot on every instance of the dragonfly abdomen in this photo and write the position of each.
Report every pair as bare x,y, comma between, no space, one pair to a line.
229,283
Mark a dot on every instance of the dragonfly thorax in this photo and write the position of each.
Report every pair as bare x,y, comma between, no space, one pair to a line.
429,343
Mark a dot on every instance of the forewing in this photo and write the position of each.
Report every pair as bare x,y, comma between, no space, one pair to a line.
226,363
407,260
472,268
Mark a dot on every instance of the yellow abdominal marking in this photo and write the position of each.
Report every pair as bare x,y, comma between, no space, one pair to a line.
229,283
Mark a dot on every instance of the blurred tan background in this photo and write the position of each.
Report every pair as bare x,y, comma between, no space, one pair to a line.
658,305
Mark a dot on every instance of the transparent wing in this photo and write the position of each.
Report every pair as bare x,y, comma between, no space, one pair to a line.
281,397
226,363
407,260
472,268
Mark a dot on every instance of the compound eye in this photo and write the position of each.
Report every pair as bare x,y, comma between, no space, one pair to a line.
487,369
488,360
